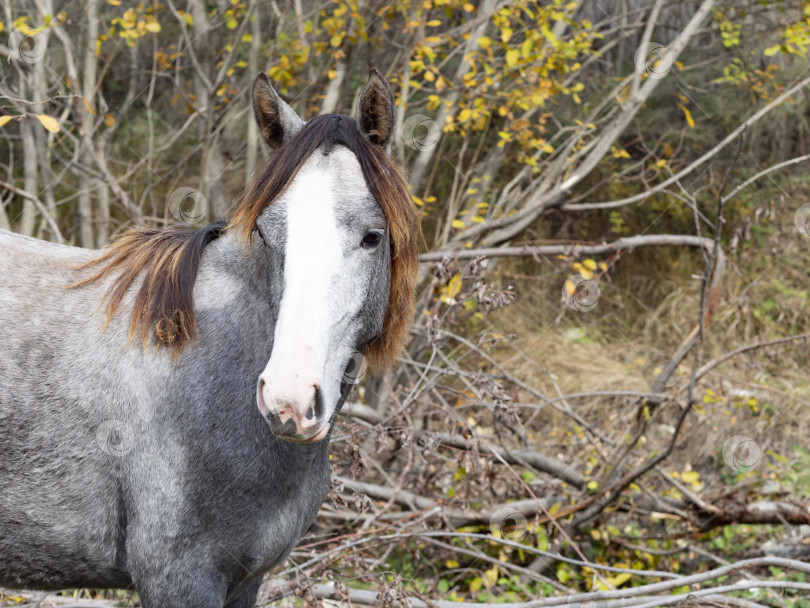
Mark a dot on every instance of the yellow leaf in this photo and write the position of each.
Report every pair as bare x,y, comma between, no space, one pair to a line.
506,34
476,584
512,56
689,120
690,476
451,563
153,26
454,285
457,224
618,152
87,105
490,577
465,115
546,31
593,486
589,264
336,40
433,23
232,24
571,289
109,120
622,578
469,7
49,122
114,2
485,42
5,119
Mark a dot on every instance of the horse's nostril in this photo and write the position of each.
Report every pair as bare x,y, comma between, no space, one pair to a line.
260,397
317,403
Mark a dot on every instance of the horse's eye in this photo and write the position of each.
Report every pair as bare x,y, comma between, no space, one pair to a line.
372,239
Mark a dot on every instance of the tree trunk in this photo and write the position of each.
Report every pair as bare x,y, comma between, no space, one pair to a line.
87,184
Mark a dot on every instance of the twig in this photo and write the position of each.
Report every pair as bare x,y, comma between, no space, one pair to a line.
707,367
40,205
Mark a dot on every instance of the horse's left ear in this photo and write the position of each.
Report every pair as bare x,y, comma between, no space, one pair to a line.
375,111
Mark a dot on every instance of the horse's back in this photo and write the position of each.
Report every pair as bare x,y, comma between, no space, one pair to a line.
55,482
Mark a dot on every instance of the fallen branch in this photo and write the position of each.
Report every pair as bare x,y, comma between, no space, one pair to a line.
633,597
541,462
574,249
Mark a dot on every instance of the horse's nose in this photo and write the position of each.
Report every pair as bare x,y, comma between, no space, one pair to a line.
293,413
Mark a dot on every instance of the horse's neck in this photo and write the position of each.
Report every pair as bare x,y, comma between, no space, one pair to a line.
231,269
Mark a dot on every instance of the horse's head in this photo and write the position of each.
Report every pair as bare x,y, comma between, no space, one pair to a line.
337,228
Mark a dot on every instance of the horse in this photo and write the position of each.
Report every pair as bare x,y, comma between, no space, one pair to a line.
166,403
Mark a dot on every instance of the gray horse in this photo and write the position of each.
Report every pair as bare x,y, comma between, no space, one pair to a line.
166,403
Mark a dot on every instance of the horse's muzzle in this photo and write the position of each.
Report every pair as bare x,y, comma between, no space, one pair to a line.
293,415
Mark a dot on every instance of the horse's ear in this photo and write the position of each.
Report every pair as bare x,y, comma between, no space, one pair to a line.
375,110
277,121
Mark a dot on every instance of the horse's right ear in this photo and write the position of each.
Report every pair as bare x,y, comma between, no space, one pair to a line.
277,121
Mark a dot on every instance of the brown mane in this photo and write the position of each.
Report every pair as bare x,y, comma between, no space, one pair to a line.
170,258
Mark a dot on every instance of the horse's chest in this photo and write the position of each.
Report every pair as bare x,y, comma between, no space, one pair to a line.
296,503
283,510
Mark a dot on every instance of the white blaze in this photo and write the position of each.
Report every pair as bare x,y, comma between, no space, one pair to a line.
312,258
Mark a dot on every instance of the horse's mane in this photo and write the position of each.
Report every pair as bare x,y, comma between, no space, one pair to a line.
170,258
